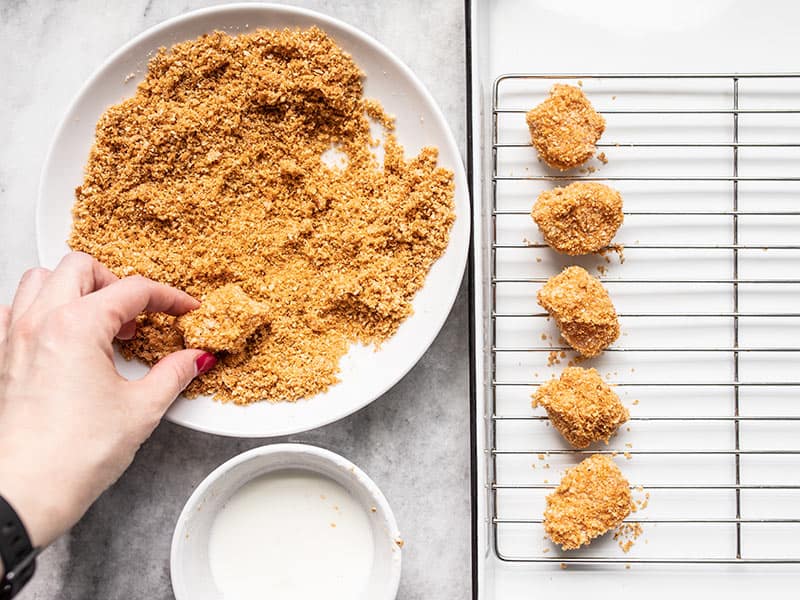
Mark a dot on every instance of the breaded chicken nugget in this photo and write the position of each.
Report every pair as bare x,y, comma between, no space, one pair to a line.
225,320
582,309
581,406
565,128
592,498
580,218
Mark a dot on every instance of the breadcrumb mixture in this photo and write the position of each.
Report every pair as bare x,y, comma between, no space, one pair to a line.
582,310
565,128
213,175
580,218
592,498
581,406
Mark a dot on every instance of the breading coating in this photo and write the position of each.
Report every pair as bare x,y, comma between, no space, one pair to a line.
226,319
582,310
581,406
592,498
580,218
215,172
565,128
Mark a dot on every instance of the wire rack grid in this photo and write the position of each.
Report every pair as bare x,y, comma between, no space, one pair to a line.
707,295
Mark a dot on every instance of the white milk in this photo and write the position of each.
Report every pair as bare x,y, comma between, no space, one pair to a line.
291,535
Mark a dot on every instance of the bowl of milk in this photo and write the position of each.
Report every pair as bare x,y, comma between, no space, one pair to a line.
288,522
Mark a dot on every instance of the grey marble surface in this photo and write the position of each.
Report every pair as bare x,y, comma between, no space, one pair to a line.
414,441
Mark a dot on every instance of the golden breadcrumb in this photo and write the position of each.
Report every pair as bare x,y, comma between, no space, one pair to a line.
217,172
226,319
627,534
565,128
582,310
580,218
581,406
592,498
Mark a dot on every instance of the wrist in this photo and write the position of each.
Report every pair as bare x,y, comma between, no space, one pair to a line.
38,514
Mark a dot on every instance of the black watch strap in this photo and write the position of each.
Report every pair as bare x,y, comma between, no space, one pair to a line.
16,552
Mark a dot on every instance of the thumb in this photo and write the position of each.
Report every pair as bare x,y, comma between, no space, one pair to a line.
170,376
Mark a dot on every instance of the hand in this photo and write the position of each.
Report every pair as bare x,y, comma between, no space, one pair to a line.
70,424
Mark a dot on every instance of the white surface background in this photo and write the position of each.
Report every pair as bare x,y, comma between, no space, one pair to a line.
414,441
548,36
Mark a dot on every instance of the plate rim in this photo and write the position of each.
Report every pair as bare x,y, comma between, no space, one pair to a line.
324,20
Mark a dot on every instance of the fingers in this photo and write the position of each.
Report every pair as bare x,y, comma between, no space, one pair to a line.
5,321
77,275
170,376
125,299
127,331
29,287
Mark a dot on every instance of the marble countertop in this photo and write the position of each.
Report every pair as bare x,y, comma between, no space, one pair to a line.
413,441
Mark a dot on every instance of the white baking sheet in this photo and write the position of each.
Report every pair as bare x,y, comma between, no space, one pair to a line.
548,37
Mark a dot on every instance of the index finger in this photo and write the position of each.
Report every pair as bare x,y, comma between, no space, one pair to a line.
127,298
76,275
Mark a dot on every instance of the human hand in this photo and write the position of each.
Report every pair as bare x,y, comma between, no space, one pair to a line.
70,424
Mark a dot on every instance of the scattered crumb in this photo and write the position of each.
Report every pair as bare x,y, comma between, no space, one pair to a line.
540,456
563,565
333,525
128,77
627,566
626,534
627,455
564,128
619,249
373,509
400,543
538,259
545,550
577,360
635,402
613,97
602,158
544,336
628,445
602,270
553,359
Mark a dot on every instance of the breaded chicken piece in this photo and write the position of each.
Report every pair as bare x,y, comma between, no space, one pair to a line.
581,406
582,310
564,128
580,218
592,498
227,317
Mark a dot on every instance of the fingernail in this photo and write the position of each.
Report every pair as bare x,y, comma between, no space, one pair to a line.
205,362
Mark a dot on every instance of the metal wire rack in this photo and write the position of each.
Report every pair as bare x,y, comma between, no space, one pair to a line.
709,167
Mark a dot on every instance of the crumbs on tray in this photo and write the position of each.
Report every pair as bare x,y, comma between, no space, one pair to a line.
212,175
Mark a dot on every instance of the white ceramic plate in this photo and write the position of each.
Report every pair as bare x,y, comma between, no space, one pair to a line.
365,375
189,562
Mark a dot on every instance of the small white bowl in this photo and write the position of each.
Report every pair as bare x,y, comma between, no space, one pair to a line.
189,562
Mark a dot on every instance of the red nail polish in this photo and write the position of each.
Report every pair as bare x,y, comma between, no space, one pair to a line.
205,362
